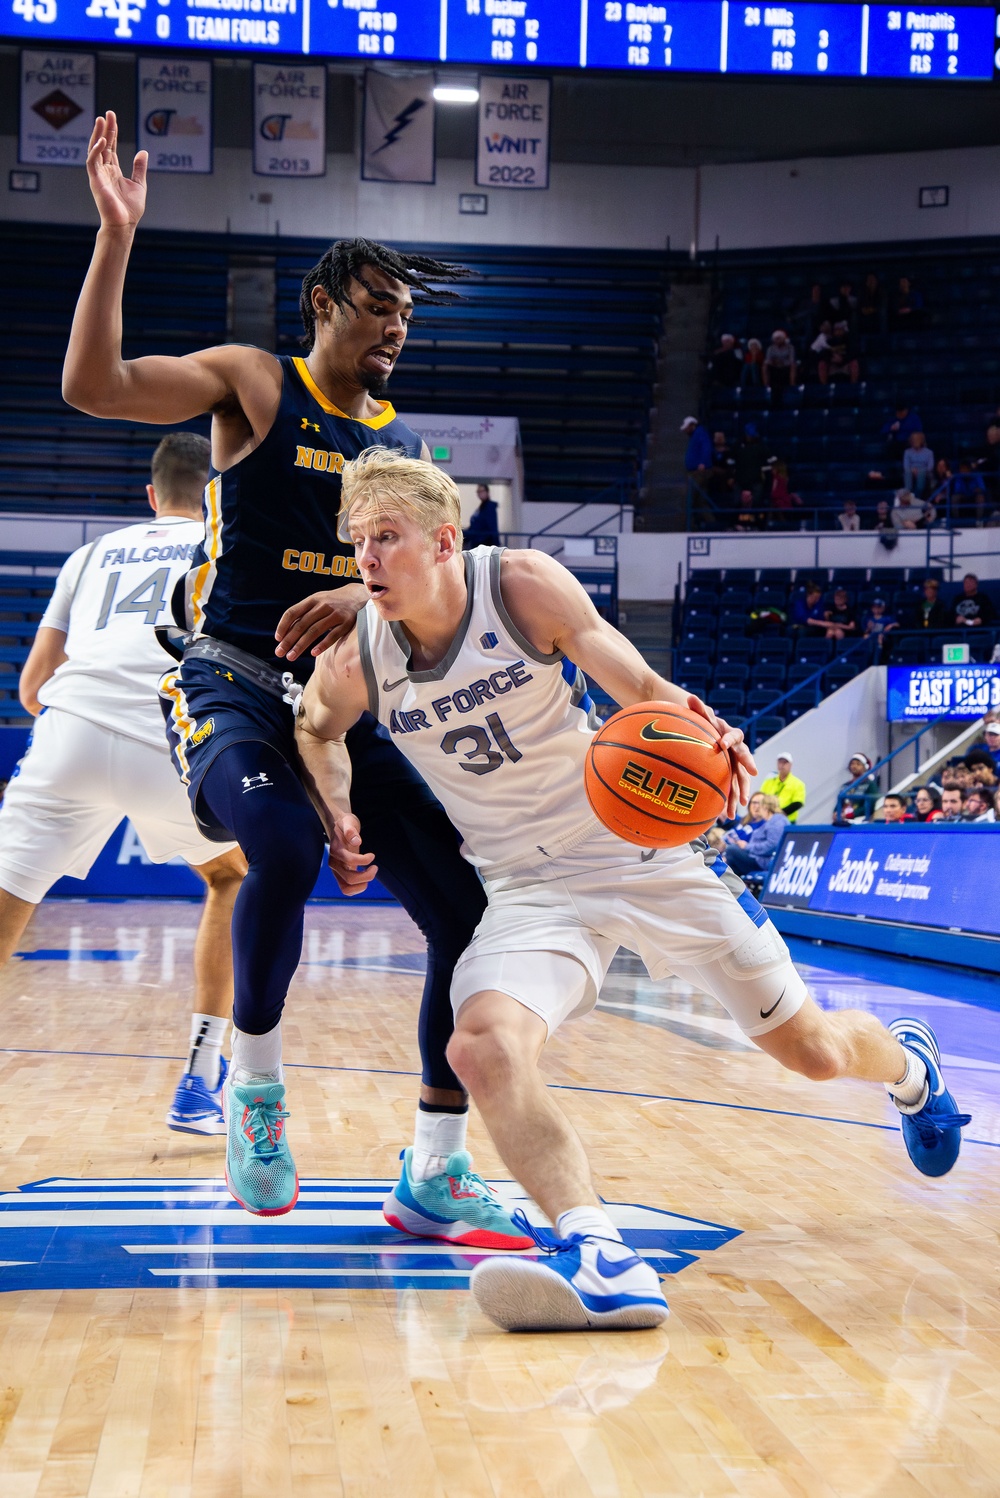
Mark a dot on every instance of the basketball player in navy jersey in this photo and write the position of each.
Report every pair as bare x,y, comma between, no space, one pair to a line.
282,430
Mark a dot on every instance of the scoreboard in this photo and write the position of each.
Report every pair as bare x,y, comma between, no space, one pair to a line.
681,36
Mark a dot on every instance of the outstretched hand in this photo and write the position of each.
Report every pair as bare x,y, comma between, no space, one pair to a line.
741,760
121,200
318,621
351,868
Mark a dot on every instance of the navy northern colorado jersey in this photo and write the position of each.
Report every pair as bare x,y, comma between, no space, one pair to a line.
271,519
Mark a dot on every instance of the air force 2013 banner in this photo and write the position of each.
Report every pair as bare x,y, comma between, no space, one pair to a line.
513,133
57,107
289,121
398,135
174,114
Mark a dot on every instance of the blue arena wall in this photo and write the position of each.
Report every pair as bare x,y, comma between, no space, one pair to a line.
926,891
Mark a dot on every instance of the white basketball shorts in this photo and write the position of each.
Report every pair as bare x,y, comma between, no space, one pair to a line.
548,937
72,788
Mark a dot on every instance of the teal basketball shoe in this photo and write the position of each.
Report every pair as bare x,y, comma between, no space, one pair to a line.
457,1206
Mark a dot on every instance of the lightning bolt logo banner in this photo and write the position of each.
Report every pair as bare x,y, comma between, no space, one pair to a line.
398,131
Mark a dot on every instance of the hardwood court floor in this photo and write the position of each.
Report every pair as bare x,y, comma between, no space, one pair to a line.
842,1339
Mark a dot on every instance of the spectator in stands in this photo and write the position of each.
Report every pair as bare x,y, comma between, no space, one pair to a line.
839,360
849,519
910,513
968,493
996,805
973,608
790,791
698,453
727,363
484,527
738,835
878,622
780,368
978,805
843,305
871,306
883,517
818,350
719,481
906,306
930,612
918,465
897,430
927,804
952,803
808,315
894,808
783,499
806,606
991,732
756,854
988,461
753,364
715,837
839,618
855,791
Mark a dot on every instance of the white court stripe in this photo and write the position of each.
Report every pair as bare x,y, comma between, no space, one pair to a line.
199,1183
457,1250
189,1217
287,1274
100,1198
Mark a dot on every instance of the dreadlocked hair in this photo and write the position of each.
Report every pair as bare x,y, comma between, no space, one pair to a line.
345,261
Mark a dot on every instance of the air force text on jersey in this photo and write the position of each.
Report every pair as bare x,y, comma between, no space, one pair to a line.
464,700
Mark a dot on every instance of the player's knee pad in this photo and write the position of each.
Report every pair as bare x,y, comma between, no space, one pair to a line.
756,982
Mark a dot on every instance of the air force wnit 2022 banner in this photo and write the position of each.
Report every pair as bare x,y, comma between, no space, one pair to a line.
942,877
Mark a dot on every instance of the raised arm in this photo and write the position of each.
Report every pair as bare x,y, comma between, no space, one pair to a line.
161,389
554,612
333,701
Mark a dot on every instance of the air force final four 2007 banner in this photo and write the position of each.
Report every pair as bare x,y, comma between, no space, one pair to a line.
398,137
174,113
57,107
289,121
513,133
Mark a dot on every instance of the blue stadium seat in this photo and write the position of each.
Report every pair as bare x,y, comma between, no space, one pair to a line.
767,726
774,651
731,677
726,701
730,651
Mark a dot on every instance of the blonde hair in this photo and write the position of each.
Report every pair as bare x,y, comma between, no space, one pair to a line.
384,478
768,802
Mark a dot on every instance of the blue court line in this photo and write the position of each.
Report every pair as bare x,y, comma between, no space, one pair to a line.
653,1097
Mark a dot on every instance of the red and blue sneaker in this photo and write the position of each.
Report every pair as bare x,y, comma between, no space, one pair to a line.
932,1129
583,1281
197,1108
457,1206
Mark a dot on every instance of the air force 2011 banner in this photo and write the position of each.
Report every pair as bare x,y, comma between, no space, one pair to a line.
174,118
398,136
57,107
513,133
289,121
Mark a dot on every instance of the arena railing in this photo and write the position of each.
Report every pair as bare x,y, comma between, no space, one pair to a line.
954,509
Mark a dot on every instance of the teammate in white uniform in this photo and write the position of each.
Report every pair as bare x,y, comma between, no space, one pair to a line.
464,660
98,751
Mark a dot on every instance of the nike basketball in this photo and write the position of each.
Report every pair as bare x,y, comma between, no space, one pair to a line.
657,775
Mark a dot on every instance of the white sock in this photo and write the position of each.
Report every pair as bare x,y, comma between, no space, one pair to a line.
257,1058
435,1137
910,1092
208,1031
588,1220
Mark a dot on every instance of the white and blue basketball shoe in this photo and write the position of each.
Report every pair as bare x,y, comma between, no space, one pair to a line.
582,1282
197,1108
933,1133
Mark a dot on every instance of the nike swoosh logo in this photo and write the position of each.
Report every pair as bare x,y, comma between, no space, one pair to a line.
766,1013
390,686
610,1269
645,857
654,735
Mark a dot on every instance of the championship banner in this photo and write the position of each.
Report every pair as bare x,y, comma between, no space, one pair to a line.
289,121
513,133
398,132
174,114
57,108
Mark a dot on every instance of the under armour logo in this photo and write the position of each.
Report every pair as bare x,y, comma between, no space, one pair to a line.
306,424
254,782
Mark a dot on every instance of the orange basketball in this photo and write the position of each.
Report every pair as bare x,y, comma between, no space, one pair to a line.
657,775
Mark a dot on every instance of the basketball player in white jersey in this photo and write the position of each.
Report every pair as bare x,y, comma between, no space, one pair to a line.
465,660
98,752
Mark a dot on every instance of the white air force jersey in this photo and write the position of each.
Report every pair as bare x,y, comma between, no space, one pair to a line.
107,599
497,730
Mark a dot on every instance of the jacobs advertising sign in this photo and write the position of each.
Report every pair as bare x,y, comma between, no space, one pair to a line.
959,692
910,876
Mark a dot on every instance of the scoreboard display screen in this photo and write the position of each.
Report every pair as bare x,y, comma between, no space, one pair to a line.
680,36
